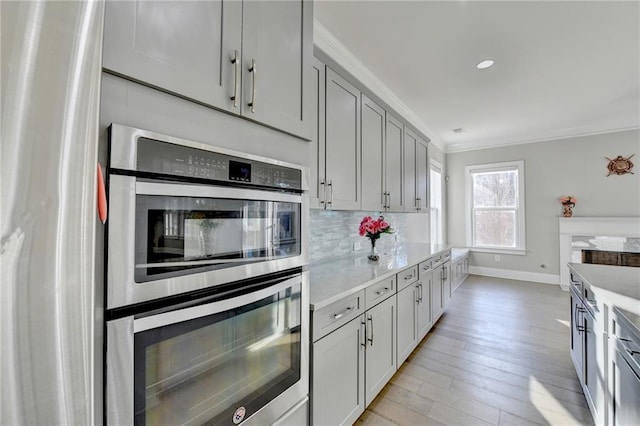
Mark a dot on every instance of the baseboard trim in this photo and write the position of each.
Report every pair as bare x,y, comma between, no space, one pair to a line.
515,275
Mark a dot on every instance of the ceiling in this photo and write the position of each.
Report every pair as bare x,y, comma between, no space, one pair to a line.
562,68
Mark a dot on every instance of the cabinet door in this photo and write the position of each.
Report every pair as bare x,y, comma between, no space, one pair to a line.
446,283
625,392
372,128
424,306
393,164
337,381
409,165
182,47
422,175
407,322
317,148
437,304
277,60
594,365
380,355
342,143
577,338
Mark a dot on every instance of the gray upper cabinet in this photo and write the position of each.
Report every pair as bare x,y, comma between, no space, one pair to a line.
185,48
409,165
277,51
422,175
317,149
342,135
393,164
373,147
249,58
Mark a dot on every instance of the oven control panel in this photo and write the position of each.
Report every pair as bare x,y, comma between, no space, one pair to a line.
183,161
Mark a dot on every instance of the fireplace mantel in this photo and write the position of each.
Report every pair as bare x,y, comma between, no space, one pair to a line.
587,226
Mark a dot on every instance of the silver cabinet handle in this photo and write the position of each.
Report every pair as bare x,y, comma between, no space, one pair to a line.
253,71
383,291
363,343
408,277
579,328
324,193
419,288
343,313
419,203
236,70
370,339
426,268
330,184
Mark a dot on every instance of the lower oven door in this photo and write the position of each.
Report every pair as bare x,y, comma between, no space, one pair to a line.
238,360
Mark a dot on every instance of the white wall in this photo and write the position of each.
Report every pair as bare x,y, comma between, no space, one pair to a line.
575,166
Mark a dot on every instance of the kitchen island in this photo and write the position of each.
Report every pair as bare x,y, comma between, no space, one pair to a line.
605,340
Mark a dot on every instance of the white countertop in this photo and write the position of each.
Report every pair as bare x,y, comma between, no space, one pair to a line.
334,279
619,286
457,252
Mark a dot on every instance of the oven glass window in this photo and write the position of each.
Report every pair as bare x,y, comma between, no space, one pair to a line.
206,370
179,234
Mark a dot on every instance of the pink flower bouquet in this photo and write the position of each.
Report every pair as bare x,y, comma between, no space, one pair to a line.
372,229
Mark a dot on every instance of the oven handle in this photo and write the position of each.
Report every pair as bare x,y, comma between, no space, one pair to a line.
203,262
180,315
211,191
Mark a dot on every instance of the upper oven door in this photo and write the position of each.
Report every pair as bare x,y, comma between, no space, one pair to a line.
171,238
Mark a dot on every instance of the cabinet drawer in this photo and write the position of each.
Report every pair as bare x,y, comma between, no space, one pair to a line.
446,256
424,268
408,276
329,318
379,291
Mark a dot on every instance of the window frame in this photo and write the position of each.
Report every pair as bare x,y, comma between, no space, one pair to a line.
520,226
435,165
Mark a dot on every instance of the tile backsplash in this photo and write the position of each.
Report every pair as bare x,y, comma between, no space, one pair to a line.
333,233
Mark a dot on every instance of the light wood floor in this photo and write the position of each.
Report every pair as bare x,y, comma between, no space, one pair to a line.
499,355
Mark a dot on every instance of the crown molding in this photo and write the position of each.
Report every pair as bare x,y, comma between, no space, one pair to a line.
325,41
487,144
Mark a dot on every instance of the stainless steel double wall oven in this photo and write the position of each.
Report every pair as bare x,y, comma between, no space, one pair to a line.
207,297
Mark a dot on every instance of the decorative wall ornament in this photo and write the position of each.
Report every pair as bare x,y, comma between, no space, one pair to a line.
620,165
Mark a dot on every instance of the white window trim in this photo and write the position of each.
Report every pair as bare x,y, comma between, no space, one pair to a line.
521,246
435,165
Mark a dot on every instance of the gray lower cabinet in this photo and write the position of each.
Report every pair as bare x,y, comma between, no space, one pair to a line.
414,316
351,365
249,58
407,333
437,294
338,375
380,354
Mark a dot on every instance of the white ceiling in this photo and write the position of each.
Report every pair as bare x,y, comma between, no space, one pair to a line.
562,68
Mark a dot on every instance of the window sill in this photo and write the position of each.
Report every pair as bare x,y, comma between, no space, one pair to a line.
516,252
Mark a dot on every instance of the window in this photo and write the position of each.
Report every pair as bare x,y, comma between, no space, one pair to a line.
435,201
495,207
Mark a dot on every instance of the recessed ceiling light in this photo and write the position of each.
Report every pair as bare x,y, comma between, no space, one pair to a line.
458,130
484,64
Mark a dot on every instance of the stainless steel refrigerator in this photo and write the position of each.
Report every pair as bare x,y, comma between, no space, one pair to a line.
50,330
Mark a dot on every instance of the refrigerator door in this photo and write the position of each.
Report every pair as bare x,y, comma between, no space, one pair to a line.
49,330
